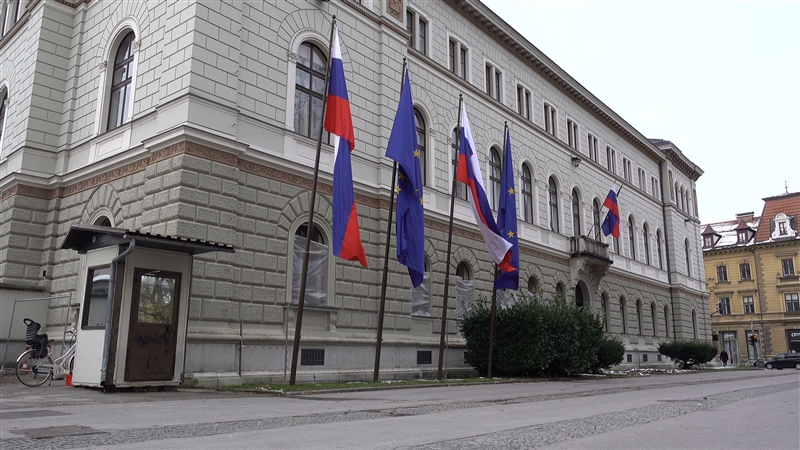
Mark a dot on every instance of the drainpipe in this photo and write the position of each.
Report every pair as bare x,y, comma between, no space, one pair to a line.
110,309
666,247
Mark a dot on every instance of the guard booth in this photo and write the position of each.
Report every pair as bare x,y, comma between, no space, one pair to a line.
134,291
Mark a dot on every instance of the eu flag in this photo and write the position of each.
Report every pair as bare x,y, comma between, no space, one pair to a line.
404,148
507,223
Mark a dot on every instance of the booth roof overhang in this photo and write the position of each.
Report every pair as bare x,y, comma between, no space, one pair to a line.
83,238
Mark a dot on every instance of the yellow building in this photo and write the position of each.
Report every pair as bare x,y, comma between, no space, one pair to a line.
752,283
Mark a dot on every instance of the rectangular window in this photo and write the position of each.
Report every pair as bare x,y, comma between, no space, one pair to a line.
457,58
644,357
749,306
452,55
626,167
572,134
488,78
611,159
494,83
312,356
550,120
422,37
96,297
592,141
410,27
722,273
655,192
742,236
725,306
744,271
708,241
642,180
462,63
792,302
788,267
424,357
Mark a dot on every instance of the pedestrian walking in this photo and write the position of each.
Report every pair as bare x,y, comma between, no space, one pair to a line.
724,357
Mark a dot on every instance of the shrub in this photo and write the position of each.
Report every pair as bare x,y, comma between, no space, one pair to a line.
688,353
610,352
534,337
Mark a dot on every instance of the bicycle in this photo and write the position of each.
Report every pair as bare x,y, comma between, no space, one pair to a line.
35,366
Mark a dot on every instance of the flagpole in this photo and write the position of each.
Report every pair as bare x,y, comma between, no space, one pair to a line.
449,243
493,314
310,227
379,340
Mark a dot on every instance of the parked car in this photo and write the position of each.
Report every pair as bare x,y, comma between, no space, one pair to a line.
784,360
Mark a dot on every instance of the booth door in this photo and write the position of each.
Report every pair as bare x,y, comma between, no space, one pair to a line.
152,338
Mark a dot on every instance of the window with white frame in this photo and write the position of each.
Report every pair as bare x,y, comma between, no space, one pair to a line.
457,58
309,90
631,237
611,159
749,305
421,134
744,272
494,82
572,134
523,101
495,176
121,83
550,120
317,279
592,142
688,257
787,265
792,302
658,249
646,237
626,167
642,180
552,192
417,28
725,306
655,191
596,219
722,273
527,194
576,214
742,237
10,13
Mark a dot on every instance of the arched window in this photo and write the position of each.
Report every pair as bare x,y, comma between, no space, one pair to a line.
527,194
421,134
579,296
694,323
121,83
632,237
553,201
463,271
495,176
317,279
658,248
309,90
639,316
646,237
533,286
103,221
683,200
666,321
622,315
576,214
560,290
3,109
653,319
596,219
461,188
688,258
604,308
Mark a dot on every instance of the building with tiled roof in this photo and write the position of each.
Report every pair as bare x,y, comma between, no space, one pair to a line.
752,281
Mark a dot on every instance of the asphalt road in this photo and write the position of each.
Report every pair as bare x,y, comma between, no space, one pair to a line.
730,409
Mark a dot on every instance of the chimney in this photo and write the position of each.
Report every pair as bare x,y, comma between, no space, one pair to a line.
746,216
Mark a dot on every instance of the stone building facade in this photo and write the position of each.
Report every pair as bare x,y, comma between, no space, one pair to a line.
196,119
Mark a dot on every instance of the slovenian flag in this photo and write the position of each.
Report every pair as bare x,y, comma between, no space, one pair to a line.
339,122
507,223
469,173
611,224
404,148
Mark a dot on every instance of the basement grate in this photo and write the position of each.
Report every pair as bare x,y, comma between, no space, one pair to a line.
51,432
28,414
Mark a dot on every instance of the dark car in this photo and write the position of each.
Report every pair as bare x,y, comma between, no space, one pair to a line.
784,360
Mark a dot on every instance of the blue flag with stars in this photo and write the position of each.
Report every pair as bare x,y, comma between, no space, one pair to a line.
507,223
403,147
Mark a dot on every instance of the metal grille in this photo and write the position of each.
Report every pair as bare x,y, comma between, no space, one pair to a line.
424,357
312,357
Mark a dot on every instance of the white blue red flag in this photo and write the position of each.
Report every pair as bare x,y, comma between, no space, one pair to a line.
469,173
403,147
507,223
339,122
611,223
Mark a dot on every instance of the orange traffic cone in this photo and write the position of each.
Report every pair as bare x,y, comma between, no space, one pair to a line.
25,364
69,379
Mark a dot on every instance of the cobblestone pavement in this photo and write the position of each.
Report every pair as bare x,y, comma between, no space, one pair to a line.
29,401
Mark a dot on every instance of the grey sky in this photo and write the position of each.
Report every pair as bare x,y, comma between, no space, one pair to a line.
718,79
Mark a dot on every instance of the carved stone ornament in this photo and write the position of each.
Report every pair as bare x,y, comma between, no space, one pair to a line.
102,66
395,9
293,57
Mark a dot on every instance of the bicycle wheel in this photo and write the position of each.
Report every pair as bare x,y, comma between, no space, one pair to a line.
33,371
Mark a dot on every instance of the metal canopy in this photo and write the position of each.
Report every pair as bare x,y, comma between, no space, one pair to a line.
90,237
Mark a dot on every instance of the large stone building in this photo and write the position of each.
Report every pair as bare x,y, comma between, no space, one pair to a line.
199,120
752,281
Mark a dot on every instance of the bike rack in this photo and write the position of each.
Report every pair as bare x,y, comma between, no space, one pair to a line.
44,323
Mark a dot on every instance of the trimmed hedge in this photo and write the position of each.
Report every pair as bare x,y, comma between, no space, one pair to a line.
539,337
688,353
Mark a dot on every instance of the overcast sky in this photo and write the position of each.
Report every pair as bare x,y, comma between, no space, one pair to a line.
718,79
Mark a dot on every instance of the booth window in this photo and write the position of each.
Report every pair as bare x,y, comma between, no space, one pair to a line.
157,292
96,298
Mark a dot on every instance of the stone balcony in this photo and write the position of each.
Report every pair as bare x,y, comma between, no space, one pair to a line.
588,257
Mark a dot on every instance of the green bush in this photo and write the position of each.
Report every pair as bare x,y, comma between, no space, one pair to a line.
534,337
688,353
610,352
